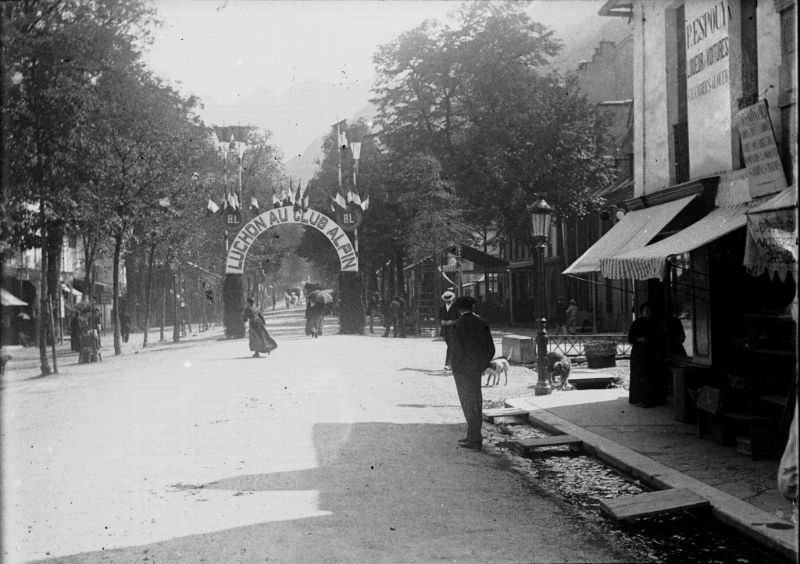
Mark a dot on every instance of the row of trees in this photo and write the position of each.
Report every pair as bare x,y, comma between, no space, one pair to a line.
472,125
98,146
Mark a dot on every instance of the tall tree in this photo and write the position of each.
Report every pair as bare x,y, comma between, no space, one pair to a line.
54,51
146,145
475,95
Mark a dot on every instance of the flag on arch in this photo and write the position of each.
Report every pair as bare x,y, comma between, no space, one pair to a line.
341,136
306,199
254,204
212,207
276,199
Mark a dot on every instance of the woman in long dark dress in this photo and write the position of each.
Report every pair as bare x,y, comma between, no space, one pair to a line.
260,341
76,328
647,359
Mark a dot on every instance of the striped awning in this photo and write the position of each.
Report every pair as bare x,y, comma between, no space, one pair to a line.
651,261
634,231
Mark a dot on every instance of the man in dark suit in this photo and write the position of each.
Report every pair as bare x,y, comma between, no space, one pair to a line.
473,349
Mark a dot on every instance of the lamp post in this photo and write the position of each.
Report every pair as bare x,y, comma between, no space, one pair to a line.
540,213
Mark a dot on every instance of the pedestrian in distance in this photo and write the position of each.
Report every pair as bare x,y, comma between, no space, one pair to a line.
76,329
260,340
448,315
315,313
394,318
648,371
473,350
125,326
571,315
561,317
373,309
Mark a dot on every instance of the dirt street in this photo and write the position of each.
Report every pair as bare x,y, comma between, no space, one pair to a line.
338,449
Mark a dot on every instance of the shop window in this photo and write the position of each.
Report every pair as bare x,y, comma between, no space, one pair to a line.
690,301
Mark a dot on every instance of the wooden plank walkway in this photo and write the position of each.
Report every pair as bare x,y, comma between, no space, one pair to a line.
631,507
491,414
526,445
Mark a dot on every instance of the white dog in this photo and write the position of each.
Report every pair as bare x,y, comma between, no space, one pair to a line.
496,368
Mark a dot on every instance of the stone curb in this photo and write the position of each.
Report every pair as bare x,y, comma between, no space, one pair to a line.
729,510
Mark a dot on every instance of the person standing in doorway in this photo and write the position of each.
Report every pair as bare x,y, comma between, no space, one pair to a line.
448,315
473,350
647,338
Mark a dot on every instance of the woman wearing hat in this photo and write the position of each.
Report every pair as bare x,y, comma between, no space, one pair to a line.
448,315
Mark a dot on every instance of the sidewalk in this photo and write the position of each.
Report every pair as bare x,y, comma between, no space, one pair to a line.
25,363
649,445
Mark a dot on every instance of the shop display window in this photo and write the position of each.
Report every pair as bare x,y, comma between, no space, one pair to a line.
690,301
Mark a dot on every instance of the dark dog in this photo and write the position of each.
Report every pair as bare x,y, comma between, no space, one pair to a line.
559,367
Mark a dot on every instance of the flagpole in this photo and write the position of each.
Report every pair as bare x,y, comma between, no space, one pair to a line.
339,146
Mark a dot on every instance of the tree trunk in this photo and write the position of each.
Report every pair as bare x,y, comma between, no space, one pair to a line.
115,293
53,341
148,287
176,323
53,244
163,304
43,293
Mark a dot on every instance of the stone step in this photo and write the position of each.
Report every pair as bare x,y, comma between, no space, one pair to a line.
631,507
581,379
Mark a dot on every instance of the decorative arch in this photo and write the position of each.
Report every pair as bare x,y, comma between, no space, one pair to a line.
237,252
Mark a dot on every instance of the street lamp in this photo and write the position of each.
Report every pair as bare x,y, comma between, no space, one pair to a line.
540,213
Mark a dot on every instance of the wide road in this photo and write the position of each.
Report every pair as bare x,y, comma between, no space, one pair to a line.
338,449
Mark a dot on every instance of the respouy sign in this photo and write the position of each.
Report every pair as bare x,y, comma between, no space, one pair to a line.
237,253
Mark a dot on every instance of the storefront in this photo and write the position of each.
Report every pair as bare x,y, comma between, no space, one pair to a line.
735,307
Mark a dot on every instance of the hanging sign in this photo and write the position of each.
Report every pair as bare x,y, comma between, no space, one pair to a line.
760,150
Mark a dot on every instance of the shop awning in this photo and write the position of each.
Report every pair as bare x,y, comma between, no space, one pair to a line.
70,290
634,231
772,236
9,300
482,259
651,261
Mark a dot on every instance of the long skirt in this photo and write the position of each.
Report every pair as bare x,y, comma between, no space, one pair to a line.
647,380
314,322
260,340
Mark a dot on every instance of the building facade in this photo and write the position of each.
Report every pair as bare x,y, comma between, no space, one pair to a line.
714,142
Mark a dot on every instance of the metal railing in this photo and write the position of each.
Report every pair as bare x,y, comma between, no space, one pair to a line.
573,344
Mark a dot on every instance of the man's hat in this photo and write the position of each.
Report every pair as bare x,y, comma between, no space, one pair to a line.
464,302
448,295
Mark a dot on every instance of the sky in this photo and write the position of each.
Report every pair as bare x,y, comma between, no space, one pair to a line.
294,67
